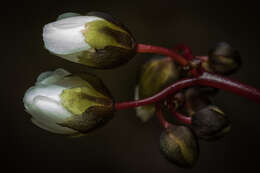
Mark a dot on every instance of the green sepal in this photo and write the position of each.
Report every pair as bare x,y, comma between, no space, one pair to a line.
88,100
107,58
93,118
109,18
78,100
111,45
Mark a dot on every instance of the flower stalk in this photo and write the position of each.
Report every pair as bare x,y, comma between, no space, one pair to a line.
186,51
165,124
206,79
143,48
182,118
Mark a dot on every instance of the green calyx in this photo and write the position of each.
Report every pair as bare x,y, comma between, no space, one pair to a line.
107,58
101,33
111,45
89,102
78,100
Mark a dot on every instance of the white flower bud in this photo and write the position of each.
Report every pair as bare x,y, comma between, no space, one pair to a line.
63,103
95,40
65,36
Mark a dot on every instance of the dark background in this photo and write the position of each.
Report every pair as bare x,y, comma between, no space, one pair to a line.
125,144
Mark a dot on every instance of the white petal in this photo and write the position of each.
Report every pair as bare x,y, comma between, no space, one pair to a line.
51,77
65,36
43,76
54,128
52,91
28,96
45,120
67,15
61,72
47,109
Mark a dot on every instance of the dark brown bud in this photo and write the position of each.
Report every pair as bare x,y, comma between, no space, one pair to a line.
197,98
223,59
210,123
179,145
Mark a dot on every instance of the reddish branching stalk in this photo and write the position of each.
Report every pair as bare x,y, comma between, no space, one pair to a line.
185,49
165,124
217,81
182,118
159,96
142,48
206,79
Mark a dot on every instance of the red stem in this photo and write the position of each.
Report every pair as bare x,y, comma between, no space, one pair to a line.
217,81
142,48
186,51
182,118
159,96
161,118
206,79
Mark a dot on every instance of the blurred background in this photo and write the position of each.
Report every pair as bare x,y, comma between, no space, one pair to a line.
126,144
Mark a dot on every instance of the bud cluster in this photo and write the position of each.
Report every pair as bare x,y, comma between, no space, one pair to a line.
76,104
207,121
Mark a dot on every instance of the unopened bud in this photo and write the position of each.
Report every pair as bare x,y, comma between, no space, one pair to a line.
68,104
96,40
210,123
179,145
196,98
155,75
223,59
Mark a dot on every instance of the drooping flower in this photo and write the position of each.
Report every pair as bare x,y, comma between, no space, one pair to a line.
63,103
96,40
